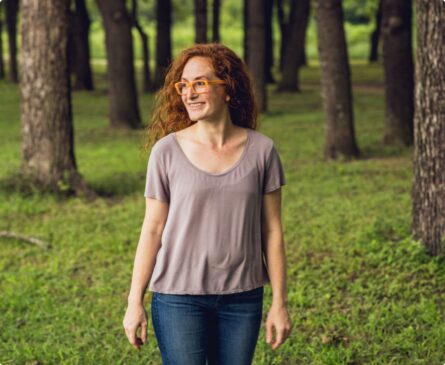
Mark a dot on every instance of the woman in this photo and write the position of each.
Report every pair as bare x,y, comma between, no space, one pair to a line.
213,203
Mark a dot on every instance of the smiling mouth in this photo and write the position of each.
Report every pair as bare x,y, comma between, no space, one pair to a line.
195,105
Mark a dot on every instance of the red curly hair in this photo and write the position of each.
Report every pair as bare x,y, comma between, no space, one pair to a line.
170,115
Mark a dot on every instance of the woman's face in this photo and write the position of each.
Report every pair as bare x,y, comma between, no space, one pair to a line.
212,104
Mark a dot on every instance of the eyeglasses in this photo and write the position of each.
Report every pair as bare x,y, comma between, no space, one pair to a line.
198,86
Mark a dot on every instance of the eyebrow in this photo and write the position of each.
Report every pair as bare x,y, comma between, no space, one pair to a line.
197,77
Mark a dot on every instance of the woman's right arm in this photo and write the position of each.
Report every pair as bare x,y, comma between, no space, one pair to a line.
149,243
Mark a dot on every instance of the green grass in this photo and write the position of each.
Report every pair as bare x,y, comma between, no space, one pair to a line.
360,290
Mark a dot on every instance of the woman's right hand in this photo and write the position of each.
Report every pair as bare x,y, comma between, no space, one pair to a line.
135,317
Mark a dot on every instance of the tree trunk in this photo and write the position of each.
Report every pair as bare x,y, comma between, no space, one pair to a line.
375,35
256,49
283,31
429,123
302,17
123,102
305,21
335,80
46,116
246,31
215,24
200,21
268,18
80,48
2,64
146,87
163,40
293,56
11,10
399,72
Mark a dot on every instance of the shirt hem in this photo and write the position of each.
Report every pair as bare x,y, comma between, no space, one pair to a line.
192,292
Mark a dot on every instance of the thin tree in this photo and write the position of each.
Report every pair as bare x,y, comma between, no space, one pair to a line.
200,21
79,47
429,123
256,49
46,114
163,40
375,35
215,21
293,52
335,81
146,82
283,30
11,10
298,20
399,72
123,99
2,64
268,20
246,32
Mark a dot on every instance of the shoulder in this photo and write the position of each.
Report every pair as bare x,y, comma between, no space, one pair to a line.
263,144
163,146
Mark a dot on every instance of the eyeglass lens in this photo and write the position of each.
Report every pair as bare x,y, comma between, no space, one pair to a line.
198,86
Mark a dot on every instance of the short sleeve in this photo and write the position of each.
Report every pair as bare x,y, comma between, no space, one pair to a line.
274,172
156,183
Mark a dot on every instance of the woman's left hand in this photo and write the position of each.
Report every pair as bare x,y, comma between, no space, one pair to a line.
278,318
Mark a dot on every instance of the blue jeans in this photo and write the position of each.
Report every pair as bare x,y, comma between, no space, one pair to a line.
220,329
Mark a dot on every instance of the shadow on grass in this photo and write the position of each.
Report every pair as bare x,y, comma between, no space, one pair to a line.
373,151
117,185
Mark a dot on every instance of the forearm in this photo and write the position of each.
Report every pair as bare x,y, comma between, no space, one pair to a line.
144,262
276,265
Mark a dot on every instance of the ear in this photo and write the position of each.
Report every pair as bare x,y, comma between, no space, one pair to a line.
227,98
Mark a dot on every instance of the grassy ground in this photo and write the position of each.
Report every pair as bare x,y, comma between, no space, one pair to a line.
360,291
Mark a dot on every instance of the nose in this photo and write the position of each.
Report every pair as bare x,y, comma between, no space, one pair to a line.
190,93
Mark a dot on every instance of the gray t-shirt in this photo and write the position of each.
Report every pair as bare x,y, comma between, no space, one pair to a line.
211,242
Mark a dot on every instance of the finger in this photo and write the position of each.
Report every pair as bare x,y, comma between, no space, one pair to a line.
144,332
269,332
132,338
138,344
279,339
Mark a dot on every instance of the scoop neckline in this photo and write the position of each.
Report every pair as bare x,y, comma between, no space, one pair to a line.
233,167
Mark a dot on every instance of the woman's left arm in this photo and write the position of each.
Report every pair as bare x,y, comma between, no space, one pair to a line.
273,246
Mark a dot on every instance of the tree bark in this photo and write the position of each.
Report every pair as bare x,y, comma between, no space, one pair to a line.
163,40
246,30
399,72
80,48
2,63
375,35
268,19
429,124
11,10
297,19
146,83
256,49
335,80
46,116
294,51
123,101
283,24
215,23
200,21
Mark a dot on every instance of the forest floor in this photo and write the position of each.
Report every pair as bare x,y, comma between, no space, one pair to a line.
361,291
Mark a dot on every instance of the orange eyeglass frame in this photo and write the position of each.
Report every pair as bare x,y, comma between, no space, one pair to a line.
192,85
